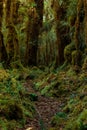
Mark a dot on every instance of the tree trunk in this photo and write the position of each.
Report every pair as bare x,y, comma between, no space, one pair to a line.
78,25
3,53
8,11
85,8
12,42
35,16
59,15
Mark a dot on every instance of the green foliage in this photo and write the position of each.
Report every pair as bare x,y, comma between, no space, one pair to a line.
71,11
59,118
15,105
33,97
76,57
68,51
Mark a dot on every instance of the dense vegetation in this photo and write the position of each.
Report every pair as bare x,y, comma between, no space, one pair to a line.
43,54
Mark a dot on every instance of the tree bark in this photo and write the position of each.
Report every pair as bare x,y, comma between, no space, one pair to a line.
35,16
12,42
3,53
85,9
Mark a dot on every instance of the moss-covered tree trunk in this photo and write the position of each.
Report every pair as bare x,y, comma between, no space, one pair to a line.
76,55
12,42
78,25
3,53
62,31
14,11
1,13
12,7
57,15
8,11
85,9
35,16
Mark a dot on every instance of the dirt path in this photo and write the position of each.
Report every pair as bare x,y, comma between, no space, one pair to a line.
45,107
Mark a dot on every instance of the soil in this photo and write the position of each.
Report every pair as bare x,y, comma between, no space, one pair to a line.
46,108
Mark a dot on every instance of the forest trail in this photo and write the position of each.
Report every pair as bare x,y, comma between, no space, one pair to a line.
46,108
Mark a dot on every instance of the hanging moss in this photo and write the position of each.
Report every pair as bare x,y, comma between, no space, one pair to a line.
13,111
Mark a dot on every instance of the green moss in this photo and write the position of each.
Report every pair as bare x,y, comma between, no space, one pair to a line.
16,64
33,97
58,119
71,72
68,51
3,75
76,57
11,110
83,116
12,44
11,125
84,66
15,106
80,123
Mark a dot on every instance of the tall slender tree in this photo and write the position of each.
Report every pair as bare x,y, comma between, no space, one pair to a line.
76,55
35,17
78,25
12,43
3,53
85,9
61,31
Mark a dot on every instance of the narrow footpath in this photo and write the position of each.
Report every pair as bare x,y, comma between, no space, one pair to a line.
46,108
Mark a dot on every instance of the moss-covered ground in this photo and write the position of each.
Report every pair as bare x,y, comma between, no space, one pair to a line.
18,103
15,103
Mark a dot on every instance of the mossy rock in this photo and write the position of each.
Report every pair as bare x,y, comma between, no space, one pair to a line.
76,57
13,111
4,75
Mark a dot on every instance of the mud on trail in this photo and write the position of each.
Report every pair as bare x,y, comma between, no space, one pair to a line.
46,108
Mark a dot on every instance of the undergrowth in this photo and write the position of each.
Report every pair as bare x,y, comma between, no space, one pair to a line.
15,104
66,85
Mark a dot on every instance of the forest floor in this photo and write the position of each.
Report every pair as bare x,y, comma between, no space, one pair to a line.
35,99
46,108
62,101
